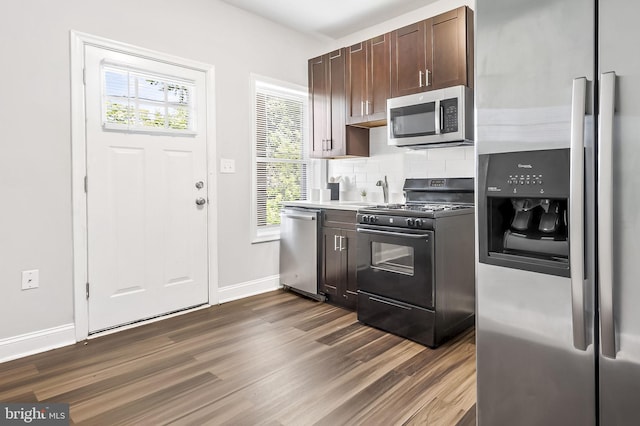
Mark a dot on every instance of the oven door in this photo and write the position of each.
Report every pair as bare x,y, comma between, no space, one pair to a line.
396,263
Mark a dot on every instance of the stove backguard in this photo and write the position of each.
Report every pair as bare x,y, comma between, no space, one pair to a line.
523,210
442,191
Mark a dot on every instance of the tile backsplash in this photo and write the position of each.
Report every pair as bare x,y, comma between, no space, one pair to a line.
357,174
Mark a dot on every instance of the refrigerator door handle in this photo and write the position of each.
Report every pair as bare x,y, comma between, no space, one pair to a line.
605,213
576,213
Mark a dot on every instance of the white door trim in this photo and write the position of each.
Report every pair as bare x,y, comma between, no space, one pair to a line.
78,41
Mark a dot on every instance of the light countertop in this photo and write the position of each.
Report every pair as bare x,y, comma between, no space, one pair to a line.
338,205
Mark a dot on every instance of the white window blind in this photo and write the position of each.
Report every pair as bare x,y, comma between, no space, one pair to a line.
141,101
281,160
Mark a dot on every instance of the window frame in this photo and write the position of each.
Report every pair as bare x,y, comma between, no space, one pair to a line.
272,232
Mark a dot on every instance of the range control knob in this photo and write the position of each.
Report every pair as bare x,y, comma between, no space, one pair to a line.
418,223
373,219
410,222
365,218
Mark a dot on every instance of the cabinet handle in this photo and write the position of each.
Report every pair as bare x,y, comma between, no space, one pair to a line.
361,108
335,242
428,83
329,144
342,248
375,299
420,78
366,108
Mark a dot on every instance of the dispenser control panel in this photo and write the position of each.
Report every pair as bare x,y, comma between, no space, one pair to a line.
542,173
525,180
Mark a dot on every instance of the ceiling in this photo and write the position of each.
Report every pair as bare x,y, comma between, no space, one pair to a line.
330,18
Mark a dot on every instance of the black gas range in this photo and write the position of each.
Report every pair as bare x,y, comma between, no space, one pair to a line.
415,269
425,199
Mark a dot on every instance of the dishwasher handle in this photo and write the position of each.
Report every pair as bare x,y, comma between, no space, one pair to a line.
297,216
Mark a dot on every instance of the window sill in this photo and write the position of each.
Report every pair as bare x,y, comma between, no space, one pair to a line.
265,236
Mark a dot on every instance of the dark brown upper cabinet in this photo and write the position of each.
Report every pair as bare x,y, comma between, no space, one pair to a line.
331,137
432,54
368,81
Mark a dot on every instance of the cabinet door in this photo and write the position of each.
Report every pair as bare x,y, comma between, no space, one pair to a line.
318,104
356,83
447,37
408,59
369,81
378,78
338,119
331,262
350,259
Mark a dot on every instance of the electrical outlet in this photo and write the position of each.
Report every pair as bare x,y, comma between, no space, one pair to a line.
227,165
30,279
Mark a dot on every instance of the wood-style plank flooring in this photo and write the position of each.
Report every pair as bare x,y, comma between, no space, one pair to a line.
271,359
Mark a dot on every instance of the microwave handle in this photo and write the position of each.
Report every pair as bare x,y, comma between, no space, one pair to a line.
438,117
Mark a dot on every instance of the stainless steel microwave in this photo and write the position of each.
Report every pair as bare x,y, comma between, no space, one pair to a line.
442,117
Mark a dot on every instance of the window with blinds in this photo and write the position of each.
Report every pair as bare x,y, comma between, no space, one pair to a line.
281,160
141,101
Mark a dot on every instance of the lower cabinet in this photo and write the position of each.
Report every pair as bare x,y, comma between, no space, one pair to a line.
339,257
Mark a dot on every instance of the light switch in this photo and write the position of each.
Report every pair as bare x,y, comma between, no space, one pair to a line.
30,279
227,165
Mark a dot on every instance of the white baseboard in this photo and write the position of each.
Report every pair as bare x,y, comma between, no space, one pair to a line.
249,288
36,342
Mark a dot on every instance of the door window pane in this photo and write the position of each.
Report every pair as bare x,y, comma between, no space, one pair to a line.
135,100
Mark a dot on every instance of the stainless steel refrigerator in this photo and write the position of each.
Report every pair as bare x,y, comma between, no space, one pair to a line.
558,210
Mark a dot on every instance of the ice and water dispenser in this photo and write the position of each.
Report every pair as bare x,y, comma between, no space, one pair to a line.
522,210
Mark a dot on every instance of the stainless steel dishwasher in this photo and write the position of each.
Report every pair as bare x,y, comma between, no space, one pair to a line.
299,243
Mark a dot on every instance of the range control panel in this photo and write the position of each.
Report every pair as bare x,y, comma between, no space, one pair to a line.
395,221
529,174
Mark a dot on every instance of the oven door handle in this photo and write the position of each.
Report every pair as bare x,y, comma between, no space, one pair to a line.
393,234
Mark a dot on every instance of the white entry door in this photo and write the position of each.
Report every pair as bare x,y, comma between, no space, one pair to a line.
146,187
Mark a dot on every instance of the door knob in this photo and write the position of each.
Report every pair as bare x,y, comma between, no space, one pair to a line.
199,184
201,201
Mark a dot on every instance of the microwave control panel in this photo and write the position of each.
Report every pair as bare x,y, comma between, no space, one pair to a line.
449,111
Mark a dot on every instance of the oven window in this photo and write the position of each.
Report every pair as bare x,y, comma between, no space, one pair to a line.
392,258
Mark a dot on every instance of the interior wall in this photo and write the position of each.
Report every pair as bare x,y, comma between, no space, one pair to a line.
397,164
35,165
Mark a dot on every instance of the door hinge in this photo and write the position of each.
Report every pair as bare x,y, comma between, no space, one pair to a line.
87,290
86,184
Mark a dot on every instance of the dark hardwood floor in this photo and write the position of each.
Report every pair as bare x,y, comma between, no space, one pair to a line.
271,359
